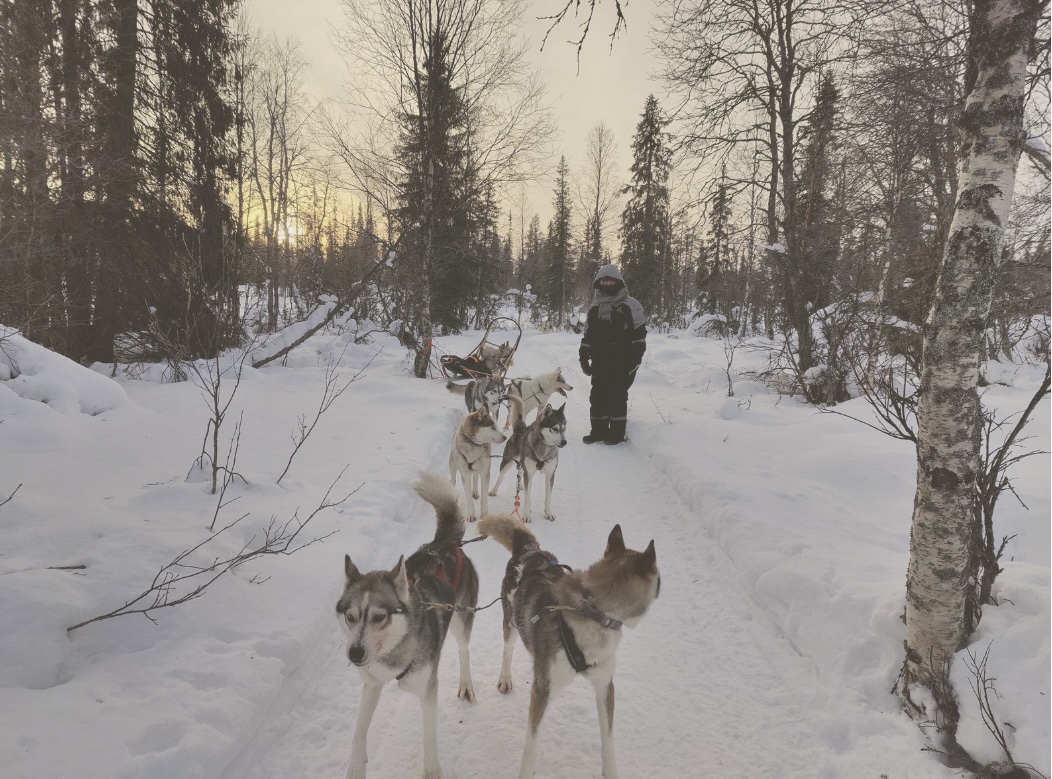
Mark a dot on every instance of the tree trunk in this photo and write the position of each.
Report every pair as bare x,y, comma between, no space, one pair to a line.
120,179
939,616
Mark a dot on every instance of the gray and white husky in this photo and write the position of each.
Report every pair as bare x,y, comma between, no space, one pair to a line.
485,391
396,622
534,392
469,455
535,449
570,621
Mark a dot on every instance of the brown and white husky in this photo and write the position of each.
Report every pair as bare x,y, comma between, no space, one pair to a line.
570,621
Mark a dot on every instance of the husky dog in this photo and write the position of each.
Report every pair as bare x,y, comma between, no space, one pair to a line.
534,392
469,455
492,358
534,448
570,621
396,623
484,391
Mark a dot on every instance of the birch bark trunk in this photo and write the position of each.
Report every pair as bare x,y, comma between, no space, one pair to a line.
940,584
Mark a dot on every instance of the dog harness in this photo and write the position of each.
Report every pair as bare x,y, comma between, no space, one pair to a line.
573,650
458,568
583,607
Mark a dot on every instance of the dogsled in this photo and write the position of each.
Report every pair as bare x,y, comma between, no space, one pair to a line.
487,359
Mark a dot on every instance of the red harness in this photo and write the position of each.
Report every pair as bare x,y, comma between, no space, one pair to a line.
443,575
458,569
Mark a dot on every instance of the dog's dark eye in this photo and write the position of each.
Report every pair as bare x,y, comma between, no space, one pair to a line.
379,619
350,618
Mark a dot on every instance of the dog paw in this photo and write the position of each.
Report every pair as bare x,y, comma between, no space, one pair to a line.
356,770
475,494
493,492
466,693
550,517
432,773
504,685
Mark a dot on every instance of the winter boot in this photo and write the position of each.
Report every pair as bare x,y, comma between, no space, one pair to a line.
616,434
600,430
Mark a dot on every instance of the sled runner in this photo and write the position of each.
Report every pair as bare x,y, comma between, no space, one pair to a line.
487,359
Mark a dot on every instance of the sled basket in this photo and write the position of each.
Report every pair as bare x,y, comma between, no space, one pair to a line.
487,359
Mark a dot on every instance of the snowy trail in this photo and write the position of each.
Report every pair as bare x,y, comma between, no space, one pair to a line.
730,667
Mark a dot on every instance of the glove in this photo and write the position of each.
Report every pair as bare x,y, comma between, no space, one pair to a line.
586,366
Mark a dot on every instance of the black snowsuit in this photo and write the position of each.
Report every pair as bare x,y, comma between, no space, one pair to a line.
611,352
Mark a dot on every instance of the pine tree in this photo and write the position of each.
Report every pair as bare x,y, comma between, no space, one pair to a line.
433,156
817,227
560,269
645,220
447,210
714,257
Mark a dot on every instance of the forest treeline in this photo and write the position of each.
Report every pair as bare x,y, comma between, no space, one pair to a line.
166,181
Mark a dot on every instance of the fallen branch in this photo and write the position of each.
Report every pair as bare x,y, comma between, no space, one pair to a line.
8,498
338,308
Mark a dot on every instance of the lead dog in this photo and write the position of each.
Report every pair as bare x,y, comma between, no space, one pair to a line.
535,392
535,449
469,455
570,621
396,622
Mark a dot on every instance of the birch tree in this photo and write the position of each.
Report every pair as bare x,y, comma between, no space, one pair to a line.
949,420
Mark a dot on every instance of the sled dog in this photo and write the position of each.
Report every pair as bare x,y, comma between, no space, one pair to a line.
534,448
396,622
469,455
570,621
483,391
491,358
534,392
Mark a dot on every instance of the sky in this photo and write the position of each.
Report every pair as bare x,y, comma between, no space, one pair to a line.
611,85
781,534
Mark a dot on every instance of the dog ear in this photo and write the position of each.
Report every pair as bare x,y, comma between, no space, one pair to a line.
352,572
648,560
615,544
401,579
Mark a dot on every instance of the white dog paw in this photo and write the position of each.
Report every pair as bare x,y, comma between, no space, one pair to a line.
432,773
466,693
493,492
356,770
504,685
550,517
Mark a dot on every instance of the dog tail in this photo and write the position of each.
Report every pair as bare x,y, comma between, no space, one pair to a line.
509,532
448,514
456,389
516,406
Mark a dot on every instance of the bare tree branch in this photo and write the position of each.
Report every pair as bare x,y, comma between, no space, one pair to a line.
182,581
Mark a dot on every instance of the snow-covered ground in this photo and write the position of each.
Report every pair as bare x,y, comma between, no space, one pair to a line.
782,537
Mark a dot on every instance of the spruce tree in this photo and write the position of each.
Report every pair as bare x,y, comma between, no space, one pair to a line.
715,257
817,224
558,292
446,211
645,220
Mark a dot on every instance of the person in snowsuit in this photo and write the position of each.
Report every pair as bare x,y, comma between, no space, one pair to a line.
612,348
